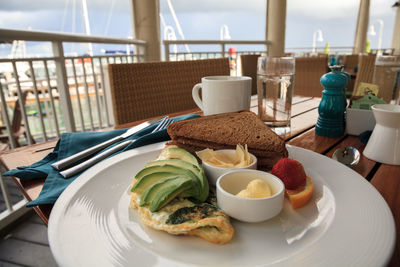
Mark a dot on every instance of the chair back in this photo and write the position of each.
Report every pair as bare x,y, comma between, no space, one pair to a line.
387,77
350,63
249,68
16,123
149,89
365,71
308,74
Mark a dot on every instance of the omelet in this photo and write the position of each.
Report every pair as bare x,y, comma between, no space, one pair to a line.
185,217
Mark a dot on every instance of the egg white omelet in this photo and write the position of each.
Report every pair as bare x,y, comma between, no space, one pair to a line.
184,217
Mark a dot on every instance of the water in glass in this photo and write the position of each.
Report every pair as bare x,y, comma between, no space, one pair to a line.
275,81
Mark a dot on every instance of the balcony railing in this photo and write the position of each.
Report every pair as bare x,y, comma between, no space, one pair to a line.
63,93
56,94
213,53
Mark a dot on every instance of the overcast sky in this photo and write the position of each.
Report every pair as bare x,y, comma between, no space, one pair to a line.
203,19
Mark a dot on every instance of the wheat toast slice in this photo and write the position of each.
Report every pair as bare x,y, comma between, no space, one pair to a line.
224,131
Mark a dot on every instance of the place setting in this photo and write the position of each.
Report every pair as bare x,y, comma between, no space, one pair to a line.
200,134
223,183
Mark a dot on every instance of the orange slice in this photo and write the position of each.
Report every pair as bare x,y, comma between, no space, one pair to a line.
300,196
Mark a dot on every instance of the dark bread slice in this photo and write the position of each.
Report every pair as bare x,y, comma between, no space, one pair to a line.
263,163
225,131
229,129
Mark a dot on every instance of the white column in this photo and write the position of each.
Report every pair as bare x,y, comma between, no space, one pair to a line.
360,39
63,87
276,27
147,26
396,32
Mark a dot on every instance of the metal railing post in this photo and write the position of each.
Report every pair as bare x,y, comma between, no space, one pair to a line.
223,49
6,118
63,88
22,105
166,50
6,195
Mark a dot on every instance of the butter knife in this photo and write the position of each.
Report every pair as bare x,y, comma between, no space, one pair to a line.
88,163
64,163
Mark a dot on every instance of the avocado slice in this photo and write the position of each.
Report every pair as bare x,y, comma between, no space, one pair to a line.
148,180
196,190
167,192
171,152
176,162
152,190
176,153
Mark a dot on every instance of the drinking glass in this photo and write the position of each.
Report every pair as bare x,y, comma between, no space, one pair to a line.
275,81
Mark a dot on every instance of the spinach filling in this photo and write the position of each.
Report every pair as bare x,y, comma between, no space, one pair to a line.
191,213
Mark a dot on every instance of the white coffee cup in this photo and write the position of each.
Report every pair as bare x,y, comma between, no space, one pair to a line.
222,94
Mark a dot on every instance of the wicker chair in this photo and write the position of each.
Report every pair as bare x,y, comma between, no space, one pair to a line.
17,126
350,63
308,74
143,90
249,68
365,71
386,77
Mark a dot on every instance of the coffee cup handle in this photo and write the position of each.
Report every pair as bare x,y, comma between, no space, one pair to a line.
196,95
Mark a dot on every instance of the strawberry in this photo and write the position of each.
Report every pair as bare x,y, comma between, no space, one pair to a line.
291,172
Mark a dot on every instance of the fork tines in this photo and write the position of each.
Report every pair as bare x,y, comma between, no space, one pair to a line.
163,124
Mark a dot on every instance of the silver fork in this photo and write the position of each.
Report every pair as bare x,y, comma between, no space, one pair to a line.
90,162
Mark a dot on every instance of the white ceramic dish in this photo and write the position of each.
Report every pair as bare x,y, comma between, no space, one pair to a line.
384,143
244,209
213,172
346,223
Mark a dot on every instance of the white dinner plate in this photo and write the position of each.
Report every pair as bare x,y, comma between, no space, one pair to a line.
346,223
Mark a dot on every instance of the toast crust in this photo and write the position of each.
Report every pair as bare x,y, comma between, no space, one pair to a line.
243,127
225,131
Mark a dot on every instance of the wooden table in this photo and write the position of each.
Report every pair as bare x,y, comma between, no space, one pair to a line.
385,178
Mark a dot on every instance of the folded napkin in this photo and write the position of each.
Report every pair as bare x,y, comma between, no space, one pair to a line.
72,143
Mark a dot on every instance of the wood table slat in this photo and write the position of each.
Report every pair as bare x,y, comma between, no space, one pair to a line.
365,166
313,142
26,155
302,105
302,123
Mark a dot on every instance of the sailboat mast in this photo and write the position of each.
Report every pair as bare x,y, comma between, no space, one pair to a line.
87,25
178,26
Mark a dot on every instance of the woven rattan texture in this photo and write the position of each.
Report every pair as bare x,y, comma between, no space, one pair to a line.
144,90
249,68
308,74
365,71
386,77
350,63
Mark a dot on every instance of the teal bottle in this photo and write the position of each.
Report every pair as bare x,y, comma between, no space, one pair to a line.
332,107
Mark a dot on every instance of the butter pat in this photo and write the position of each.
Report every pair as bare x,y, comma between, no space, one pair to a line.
241,158
257,188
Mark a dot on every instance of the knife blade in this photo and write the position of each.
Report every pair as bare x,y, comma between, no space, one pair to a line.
64,163
90,162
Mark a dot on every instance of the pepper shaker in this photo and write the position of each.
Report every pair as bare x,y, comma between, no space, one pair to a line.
332,107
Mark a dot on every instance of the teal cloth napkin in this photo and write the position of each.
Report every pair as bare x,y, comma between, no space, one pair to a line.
72,143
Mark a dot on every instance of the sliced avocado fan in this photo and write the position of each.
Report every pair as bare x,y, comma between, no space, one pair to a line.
195,190
148,180
149,195
195,169
176,172
173,152
168,192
